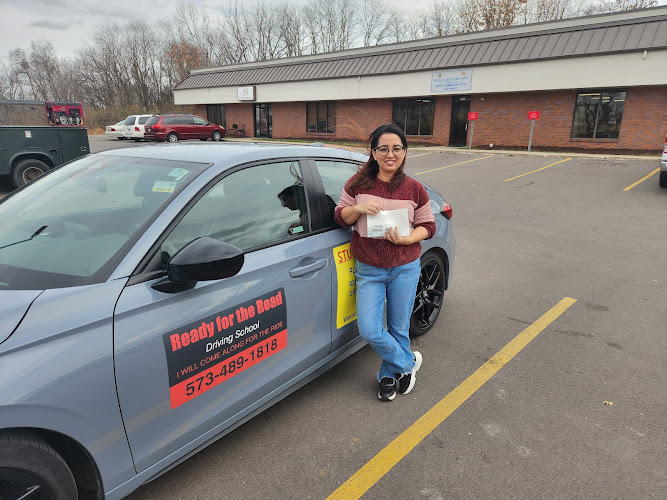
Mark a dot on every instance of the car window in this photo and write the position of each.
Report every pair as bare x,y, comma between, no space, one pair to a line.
199,121
64,228
251,208
130,120
170,120
152,120
334,175
143,119
184,120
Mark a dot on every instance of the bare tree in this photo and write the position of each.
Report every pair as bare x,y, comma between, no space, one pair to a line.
291,28
374,22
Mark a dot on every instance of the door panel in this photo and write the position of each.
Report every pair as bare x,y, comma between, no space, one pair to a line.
196,361
459,125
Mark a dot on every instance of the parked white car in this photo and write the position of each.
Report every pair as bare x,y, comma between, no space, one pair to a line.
135,126
116,130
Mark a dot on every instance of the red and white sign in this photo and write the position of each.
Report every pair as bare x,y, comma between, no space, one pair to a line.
533,115
472,116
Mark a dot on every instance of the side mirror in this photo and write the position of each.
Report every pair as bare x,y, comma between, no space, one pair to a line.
202,259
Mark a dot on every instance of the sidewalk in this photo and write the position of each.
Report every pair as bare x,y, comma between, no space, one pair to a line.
449,149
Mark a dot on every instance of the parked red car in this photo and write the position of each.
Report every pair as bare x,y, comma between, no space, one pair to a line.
174,128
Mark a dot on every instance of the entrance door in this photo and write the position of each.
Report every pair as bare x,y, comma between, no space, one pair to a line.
458,135
264,120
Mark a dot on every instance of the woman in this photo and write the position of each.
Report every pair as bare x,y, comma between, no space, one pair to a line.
388,266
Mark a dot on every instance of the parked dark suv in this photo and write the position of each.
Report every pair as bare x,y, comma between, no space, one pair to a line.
175,128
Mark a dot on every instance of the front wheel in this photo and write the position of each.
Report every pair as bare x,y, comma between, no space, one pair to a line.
32,469
429,296
28,170
217,135
173,137
663,179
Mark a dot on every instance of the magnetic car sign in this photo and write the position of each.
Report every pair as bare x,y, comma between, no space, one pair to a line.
204,354
346,311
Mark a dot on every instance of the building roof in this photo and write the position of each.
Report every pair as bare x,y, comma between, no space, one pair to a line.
592,35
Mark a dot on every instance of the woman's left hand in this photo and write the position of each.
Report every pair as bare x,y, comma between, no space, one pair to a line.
397,239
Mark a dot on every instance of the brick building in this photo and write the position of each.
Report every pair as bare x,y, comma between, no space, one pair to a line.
597,81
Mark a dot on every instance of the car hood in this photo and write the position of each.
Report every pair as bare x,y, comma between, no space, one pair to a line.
14,305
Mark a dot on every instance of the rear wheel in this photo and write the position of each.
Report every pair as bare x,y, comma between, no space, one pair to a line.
217,135
28,170
172,137
663,179
429,296
32,469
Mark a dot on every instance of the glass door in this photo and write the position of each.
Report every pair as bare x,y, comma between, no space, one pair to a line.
264,120
458,131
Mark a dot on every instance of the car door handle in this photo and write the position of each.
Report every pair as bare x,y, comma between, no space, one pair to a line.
308,265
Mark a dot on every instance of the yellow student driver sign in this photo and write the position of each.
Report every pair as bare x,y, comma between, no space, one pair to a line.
346,311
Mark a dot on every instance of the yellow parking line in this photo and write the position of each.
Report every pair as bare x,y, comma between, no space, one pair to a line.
642,179
454,165
528,173
382,463
422,154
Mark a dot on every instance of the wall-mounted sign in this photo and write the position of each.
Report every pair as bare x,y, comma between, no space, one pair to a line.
458,80
246,93
533,115
472,116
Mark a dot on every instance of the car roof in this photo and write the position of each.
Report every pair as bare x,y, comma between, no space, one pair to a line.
230,154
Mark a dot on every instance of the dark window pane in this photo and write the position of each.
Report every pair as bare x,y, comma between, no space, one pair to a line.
311,117
321,117
412,122
331,119
611,113
598,114
426,125
400,108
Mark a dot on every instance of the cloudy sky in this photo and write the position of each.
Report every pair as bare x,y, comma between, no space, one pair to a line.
67,23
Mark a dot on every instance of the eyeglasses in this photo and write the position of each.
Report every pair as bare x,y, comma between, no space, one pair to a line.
384,150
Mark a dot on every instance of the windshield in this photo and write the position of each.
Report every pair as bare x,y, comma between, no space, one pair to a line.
68,227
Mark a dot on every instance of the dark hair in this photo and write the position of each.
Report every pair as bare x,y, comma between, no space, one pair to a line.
366,176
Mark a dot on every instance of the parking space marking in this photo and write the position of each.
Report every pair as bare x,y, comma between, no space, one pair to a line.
422,154
642,179
454,165
528,173
382,463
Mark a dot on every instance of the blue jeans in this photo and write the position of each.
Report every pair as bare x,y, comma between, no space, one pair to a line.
398,285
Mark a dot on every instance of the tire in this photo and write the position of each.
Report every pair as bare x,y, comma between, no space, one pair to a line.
217,135
28,170
172,137
32,469
429,296
663,179
137,140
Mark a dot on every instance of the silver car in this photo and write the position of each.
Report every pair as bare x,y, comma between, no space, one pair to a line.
152,299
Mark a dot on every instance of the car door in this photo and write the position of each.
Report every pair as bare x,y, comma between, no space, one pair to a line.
330,177
186,128
201,128
191,363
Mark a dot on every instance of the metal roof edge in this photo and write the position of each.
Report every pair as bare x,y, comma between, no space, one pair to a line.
546,27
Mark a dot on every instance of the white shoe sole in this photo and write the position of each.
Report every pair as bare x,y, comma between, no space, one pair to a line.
413,373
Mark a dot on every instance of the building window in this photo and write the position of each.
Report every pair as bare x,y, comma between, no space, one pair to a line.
414,116
321,117
215,113
598,114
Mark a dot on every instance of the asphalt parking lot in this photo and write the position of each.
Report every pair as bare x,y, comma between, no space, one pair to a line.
543,377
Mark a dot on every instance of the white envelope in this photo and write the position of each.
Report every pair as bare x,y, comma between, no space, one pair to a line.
377,225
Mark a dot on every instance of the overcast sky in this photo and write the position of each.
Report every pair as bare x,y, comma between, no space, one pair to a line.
67,23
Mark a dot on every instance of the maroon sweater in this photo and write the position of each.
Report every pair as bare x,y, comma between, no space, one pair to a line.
380,252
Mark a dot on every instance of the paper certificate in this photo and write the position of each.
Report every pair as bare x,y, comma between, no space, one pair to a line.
377,225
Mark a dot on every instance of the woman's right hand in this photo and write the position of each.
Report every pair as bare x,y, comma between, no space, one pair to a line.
368,208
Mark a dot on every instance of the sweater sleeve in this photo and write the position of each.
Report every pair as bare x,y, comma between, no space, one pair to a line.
423,213
346,200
